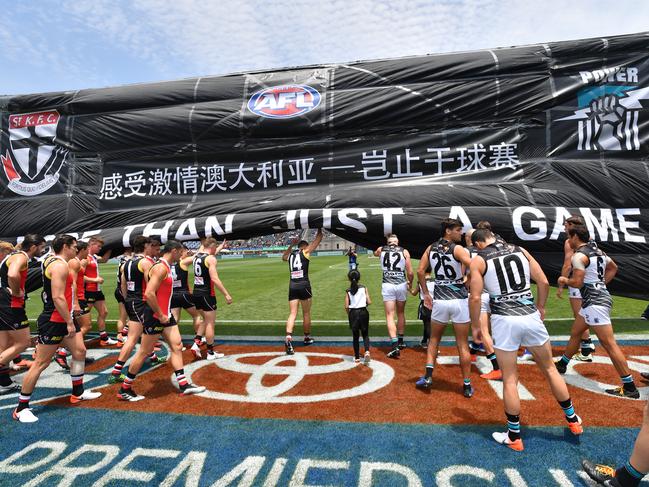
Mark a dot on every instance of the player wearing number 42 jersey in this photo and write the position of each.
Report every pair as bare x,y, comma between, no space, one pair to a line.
505,272
449,302
592,269
397,281
299,290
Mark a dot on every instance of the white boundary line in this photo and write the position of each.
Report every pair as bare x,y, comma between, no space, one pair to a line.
299,322
446,339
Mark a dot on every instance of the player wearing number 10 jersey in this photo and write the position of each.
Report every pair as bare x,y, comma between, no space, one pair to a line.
592,269
516,321
450,300
397,280
299,289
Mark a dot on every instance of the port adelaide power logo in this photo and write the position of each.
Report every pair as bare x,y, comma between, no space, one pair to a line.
31,160
285,101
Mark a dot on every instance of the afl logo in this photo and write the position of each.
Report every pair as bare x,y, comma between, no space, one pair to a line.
32,159
286,101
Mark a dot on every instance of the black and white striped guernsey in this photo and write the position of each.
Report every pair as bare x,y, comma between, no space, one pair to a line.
180,278
447,271
507,280
594,291
393,264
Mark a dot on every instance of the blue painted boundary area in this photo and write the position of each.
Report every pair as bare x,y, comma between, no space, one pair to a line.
127,449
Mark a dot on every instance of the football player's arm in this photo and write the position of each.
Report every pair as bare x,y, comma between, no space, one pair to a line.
565,268
463,256
98,279
220,247
123,285
186,262
316,241
287,252
611,269
74,266
476,270
410,275
378,251
541,280
421,277
579,262
214,276
104,257
17,264
144,266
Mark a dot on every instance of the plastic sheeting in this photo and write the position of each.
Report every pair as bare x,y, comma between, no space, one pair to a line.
520,136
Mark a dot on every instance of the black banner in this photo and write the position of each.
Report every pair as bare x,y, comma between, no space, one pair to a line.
522,137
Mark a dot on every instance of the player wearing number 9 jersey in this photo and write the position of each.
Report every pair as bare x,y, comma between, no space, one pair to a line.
299,288
449,302
592,269
397,280
505,271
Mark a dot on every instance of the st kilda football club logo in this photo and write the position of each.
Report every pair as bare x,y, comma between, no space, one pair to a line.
31,160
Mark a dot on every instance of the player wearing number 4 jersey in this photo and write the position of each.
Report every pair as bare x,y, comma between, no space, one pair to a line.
449,302
299,288
592,269
397,281
505,272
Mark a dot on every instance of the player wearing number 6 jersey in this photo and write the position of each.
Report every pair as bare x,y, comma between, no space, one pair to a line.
299,288
505,272
449,302
205,279
592,269
182,297
397,280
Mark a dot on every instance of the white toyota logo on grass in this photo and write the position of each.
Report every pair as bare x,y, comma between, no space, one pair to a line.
294,368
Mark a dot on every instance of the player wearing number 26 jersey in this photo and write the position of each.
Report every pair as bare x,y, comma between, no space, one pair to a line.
592,269
448,262
516,320
299,288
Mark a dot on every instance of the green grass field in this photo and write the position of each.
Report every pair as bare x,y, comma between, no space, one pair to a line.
259,288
